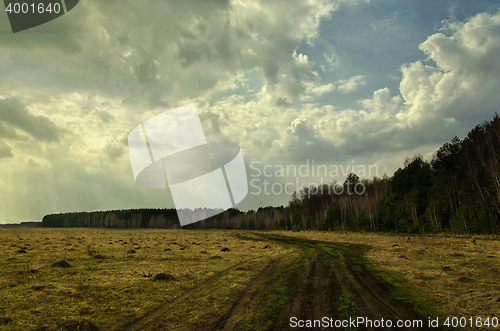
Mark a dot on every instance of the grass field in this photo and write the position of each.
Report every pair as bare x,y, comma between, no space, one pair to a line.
77,279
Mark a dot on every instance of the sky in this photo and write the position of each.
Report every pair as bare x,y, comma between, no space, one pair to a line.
295,83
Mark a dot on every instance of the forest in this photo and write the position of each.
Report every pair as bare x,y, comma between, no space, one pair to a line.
458,192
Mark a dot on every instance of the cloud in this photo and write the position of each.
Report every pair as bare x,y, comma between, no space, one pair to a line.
465,77
112,147
382,102
105,116
331,62
351,84
8,132
37,162
301,141
321,89
447,94
5,150
183,51
14,115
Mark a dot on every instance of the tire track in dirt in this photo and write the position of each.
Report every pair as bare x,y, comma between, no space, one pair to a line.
155,313
312,300
232,319
350,290
370,298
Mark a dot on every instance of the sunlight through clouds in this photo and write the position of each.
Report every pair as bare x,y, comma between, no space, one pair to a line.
275,78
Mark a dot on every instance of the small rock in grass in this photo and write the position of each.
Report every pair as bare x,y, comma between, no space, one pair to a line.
72,325
5,320
225,249
163,276
465,279
61,264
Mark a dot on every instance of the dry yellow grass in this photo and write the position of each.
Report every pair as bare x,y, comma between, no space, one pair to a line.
106,282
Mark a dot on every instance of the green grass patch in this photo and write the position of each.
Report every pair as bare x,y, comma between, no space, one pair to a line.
345,305
277,290
401,289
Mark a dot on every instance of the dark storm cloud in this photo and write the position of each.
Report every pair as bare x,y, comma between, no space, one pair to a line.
13,114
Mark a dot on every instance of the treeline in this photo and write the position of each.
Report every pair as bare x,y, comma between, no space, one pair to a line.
29,224
124,219
457,192
261,219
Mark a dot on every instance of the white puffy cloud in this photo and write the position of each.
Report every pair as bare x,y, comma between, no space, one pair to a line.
445,95
351,84
462,74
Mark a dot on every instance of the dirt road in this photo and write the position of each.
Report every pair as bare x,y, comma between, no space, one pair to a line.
326,282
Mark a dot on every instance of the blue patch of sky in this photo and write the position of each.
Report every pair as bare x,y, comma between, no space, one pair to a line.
376,38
